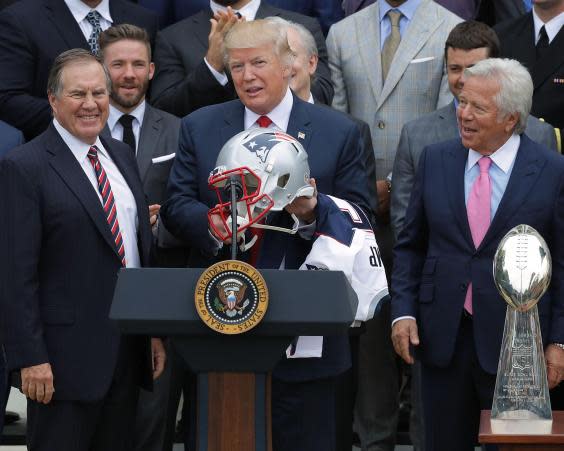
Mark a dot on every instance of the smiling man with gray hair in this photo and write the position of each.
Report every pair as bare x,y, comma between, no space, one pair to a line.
468,193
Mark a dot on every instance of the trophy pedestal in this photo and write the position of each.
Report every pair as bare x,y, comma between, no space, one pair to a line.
552,440
521,402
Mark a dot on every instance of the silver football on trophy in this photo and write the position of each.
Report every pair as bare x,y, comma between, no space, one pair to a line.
522,267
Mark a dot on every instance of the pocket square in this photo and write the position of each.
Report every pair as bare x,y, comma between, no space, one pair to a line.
170,156
422,60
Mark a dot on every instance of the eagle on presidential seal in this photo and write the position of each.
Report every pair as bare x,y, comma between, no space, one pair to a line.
231,293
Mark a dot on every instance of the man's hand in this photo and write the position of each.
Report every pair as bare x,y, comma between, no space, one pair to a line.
37,382
404,333
221,23
554,365
153,212
159,357
383,197
304,207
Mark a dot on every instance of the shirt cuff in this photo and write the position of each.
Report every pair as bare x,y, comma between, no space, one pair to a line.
402,317
219,76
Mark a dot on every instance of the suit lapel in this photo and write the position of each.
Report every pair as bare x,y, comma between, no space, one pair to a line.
521,45
200,26
148,138
234,120
367,29
546,66
299,123
417,34
59,14
448,126
454,160
70,171
527,167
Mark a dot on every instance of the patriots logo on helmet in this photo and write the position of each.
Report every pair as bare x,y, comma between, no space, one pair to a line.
262,144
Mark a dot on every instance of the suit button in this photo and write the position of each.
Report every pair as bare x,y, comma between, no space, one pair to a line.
463,286
381,125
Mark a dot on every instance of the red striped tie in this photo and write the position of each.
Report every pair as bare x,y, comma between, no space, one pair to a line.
108,202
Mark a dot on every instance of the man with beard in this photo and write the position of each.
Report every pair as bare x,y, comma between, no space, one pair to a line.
152,135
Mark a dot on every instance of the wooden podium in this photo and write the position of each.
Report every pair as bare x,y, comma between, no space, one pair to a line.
515,442
233,384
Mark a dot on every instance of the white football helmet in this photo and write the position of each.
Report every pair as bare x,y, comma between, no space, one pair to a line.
270,169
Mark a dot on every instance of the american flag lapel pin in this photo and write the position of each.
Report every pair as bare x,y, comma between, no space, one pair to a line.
301,135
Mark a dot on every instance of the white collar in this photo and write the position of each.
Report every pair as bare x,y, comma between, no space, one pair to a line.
310,100
502,157
78,148
249,11
280,114
552,27
80,10
138,113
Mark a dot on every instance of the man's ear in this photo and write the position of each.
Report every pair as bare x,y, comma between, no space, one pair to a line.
312,64
151,70
512,120
52,101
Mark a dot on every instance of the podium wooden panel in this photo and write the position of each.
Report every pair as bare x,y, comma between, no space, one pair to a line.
524,442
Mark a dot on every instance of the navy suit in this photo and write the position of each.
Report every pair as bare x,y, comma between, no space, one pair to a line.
332,142
9,138
435,260
32,34
60,269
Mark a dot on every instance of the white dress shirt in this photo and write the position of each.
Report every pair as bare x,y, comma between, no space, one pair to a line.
80,10
280,114
123,197
552,27
116,129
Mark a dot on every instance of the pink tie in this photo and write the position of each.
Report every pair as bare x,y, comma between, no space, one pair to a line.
479,213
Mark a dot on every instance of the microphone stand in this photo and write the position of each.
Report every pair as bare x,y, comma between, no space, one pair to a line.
233,189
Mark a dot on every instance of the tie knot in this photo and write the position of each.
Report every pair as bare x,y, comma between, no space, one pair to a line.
264,121
394,17
93,153
484,163
126,120
93,17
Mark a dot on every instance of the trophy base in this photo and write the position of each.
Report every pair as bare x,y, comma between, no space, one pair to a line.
520,422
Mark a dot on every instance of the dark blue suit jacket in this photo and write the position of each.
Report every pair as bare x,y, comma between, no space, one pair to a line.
32,34
59,267
10,137
435,258
332,142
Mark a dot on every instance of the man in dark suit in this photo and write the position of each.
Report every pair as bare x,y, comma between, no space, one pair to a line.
77,215
34,32
9,138
189,59
468,193
493,12
259,60
152,135
536,40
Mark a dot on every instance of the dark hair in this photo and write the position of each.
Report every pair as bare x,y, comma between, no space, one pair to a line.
472,35
122,32
72,56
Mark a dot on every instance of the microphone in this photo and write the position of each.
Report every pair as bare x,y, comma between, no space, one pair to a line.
234,189
235,184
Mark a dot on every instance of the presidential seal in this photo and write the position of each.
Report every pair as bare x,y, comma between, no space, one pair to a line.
231,297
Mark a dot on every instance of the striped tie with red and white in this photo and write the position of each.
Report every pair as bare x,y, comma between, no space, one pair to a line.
108,202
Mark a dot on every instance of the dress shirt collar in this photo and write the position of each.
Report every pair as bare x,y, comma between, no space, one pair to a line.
80,10
502,157
280,115
407,9
138,113
310,100
78,148
249,11
552,27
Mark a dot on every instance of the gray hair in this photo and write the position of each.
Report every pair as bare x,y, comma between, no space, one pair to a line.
72,56
256,33
515,86
306,38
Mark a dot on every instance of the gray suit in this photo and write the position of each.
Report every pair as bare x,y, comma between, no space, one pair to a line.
416,83
430,129
158,138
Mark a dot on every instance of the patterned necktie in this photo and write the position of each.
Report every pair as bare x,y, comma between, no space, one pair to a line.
126,122
391,44
108,202
479,213
264,121
542,44
93,17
